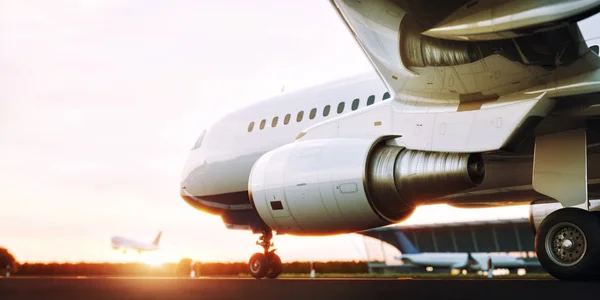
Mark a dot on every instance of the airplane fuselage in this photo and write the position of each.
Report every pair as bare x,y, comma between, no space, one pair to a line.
216,174
118,242
461,260
228,150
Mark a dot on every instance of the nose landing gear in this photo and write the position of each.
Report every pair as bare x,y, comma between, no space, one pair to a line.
267,264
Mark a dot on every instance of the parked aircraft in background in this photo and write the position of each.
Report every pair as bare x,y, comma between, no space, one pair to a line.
465,260
462,245
118,242
474,104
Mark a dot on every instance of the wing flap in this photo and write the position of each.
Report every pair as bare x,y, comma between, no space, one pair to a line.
493,20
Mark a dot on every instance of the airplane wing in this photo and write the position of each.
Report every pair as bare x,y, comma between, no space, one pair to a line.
466,53
461,265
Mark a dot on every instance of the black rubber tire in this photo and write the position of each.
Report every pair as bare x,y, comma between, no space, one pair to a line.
597,271
258,265
589,224
275,266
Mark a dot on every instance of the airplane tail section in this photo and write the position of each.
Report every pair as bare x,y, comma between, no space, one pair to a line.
396,238
157,239
472,263
404,244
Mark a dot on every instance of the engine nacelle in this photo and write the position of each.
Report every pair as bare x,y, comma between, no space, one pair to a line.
333,186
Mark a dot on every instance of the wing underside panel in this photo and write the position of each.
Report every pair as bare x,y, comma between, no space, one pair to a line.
409,45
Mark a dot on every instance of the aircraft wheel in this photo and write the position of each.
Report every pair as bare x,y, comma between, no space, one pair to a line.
568,244
274,266
258,265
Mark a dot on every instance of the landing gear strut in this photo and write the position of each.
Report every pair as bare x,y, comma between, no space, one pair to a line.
267,264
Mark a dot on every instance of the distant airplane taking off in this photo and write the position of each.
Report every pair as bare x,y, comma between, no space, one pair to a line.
119,242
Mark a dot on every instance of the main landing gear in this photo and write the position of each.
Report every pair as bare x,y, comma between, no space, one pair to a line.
267,264
567,244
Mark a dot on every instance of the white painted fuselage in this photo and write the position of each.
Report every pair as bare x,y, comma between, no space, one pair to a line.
461,260
228,150
216,173
122,243
413,111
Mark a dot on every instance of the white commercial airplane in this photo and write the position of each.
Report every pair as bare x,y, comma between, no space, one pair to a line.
454,260
119,242
474,103
462,261
443,250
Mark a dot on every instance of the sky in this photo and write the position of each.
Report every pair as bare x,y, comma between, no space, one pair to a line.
100,102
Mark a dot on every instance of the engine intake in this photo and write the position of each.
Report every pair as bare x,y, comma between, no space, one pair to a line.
345,185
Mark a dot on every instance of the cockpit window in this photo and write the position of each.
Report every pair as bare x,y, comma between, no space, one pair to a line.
199,140
386,96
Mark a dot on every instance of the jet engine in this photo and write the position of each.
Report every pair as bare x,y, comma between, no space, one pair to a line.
343,185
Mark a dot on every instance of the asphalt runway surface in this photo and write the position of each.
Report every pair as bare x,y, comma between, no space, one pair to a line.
283,289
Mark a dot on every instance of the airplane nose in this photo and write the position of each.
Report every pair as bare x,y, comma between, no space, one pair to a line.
184,185
191,188
191,161
184,181
198,203
192,179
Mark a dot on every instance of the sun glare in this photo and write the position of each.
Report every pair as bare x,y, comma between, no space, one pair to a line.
152,260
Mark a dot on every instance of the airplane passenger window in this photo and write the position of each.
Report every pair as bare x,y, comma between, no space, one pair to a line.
326,110
341,107
355,104
386,95
250,126
313,113
274,122
262,124
371,100
299,116
286,120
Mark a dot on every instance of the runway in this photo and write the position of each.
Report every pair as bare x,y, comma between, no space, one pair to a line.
245,288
